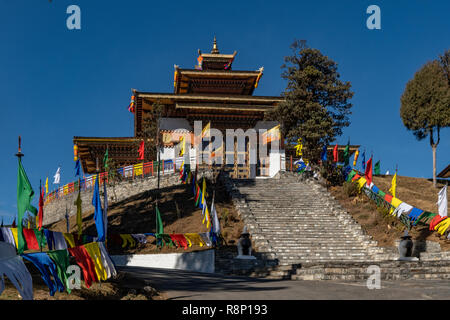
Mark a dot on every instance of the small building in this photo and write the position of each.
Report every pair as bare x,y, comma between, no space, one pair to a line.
444,173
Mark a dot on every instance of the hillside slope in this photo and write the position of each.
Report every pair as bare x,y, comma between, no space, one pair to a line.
418,192
137,215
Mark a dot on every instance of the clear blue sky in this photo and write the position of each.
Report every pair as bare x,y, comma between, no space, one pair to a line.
56,83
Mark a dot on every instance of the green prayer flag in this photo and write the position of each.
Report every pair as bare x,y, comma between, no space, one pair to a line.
41,239
105,160
79,214
159,224
61,260
376,168
346,154
351,175
25,194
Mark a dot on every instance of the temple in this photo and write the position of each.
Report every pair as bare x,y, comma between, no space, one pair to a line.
213,93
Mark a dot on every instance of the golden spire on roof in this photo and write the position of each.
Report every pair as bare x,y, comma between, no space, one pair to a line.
214,49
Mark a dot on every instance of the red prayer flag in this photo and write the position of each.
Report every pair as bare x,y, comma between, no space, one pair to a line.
41,209
30,238
335,153
141,150
368,173
388,198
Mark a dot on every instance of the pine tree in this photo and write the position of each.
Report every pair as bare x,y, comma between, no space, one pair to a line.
316,106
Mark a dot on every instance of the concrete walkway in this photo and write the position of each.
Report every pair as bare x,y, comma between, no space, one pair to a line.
178,284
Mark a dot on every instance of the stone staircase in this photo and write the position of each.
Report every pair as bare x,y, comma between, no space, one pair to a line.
301,225
299,222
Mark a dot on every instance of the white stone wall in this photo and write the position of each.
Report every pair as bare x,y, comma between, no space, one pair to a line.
199,261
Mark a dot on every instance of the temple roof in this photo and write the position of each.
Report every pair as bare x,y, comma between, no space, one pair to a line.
214,60
171,98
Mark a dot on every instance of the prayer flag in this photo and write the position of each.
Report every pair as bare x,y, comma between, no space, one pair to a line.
216,223
205,211
393,185
105,210
46,185
105,160
323,154
335,153
364,160
346,154
271,135
41,209
79,214
299,147
98,214
376,168
356,158
77,168
75,152
25,194
442,202
57,176
141,151
183,146
368,171
159,223
205,131
131,105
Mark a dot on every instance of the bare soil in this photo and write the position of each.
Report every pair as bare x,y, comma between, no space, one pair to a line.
178,212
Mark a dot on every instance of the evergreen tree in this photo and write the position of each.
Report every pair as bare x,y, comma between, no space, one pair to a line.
425,103
149,132
316,106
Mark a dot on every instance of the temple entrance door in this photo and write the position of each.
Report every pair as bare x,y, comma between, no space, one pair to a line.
241,171
264,166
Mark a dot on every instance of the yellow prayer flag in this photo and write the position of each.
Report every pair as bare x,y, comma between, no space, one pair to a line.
394,185
183,145
205,131
298,148
271,135
14,232
356,158
138,169
46,186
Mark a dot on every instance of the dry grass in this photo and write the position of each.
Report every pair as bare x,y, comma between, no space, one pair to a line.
415,191
179,215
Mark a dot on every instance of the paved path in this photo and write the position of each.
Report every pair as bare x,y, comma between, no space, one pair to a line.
177,284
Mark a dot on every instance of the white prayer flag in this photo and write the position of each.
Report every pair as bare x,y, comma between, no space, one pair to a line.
216,223
57,176
442,202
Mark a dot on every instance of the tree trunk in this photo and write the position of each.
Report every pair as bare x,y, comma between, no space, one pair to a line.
433,147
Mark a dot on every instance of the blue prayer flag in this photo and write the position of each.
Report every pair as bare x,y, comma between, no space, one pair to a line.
98,214
77,168
363,159
323,154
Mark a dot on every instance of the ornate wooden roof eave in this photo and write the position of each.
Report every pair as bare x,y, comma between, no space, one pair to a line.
220,73
185,77
227,107
172,98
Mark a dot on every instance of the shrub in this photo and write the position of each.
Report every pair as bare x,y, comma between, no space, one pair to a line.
225,216
350,189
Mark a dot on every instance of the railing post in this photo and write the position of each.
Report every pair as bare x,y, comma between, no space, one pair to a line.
163,167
